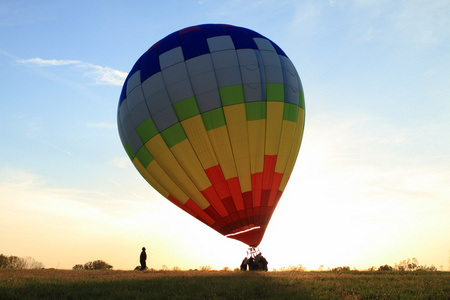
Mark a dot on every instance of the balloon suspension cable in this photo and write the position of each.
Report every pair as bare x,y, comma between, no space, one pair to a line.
253,251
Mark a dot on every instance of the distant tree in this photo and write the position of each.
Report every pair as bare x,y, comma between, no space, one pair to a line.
425,268
77,267
341,269
14,262
31,263
89,265
413,265
385,268
206,268
407,265
299,268
97,265
101,265
3,261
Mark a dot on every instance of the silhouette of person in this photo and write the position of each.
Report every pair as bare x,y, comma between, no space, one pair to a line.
250,264
244,264
263,263
143,259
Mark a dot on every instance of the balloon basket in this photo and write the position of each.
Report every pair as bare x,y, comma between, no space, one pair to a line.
253,251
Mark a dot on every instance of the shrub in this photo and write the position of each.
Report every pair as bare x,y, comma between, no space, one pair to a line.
206,268
93,265
385,268
77,267
341,269
413,265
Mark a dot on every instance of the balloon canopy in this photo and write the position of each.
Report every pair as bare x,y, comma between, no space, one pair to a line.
212,117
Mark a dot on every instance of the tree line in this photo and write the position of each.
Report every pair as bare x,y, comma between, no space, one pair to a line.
409,264
15,262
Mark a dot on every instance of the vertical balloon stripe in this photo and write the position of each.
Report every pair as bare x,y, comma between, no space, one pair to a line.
148,177
218,181
219,138
273,132
273,127
269,170
222,149
199,211
164,180
301,101
237,127
286,143
256,139
162,183
198,137
188,160
213,198
256,122
295,148
168,162
234,185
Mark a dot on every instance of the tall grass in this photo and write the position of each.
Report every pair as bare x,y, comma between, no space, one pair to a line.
83,284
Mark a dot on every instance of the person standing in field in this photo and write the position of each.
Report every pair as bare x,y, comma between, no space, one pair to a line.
143,259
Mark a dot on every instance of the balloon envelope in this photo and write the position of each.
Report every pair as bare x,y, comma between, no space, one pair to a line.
212,117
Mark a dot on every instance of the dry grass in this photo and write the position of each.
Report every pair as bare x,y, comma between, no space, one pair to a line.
83,284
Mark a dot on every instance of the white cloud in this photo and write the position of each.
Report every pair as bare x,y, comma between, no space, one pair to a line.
97,74
104,75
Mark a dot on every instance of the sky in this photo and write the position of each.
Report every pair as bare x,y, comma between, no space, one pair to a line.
371,185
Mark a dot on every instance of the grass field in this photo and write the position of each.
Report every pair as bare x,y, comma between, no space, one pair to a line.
83,284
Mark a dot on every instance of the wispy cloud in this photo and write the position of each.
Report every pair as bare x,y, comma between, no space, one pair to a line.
49,62
104,75
97,74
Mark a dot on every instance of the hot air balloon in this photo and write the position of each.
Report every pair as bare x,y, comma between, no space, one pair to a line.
212,116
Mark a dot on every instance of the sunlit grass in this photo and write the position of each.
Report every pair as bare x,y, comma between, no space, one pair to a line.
83,284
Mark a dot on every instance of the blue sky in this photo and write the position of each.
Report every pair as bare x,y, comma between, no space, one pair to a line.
372,182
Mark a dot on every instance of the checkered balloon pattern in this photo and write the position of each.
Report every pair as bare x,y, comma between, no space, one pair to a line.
212,116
